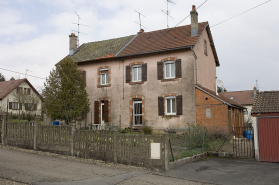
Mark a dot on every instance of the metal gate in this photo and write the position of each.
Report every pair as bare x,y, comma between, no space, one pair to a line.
268,129
243,142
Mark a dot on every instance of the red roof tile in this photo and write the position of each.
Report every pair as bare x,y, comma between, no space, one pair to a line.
266,102
240,97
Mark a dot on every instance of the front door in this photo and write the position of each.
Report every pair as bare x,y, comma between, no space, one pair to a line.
137,113
102,113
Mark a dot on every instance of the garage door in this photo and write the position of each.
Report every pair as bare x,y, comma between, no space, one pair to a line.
268,129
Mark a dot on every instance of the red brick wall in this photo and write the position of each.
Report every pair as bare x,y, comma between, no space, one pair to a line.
218,119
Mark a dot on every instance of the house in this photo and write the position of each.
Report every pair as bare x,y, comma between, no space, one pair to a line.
19,96
245,99
266,131
217,113
148,79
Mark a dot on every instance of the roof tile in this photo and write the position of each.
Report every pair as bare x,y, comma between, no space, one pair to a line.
266,102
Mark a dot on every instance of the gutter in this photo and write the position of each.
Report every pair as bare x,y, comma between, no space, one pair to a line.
196,61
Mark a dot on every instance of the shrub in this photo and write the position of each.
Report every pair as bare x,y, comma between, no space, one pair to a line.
29,117
147,130
125,130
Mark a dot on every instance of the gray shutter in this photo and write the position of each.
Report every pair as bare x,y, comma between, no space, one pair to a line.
96,112
178,73
10,105
128,74
106,113
160,70
144,71
160,106
179,105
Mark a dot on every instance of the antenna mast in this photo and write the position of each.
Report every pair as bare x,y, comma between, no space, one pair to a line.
78,29
26,72
167,12
140,19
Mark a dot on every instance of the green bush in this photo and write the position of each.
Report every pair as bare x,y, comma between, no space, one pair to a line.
147,130
29,117
125,130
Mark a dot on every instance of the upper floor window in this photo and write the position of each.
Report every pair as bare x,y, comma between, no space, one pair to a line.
136,73
104,77
169,69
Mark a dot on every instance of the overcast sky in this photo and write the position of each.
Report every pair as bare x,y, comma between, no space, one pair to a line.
34,34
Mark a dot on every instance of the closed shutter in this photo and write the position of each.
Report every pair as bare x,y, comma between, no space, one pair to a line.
83,74
144,72
160,70
106,113
96,112
20,106
179,105
160,106
178,68
35,107
128,74
10,105
28,91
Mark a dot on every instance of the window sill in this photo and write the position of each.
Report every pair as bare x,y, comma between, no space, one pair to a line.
100,86
133,83
170,116
169,80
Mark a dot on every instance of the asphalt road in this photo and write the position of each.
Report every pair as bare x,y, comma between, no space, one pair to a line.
30,168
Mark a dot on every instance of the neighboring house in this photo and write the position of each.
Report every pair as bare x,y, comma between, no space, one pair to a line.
245,99
218,114
266,130
19,96
148,79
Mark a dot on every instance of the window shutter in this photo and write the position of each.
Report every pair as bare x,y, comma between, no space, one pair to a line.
128,74
160,70
17,90
178,68
28,91
10,105
160,106
144,72
83,74
35,107
20,106
96,112
179,105
106,116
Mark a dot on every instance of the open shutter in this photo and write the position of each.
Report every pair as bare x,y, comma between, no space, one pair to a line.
179,105
144,72
10,105
28,91
83,74
96,112
160,106
20,106
160,70
106,113
128,74
178,68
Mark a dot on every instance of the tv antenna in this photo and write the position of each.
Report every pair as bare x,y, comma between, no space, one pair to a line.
167,12
140,19
26,72
78,28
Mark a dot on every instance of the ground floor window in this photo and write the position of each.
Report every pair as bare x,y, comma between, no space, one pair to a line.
137,112
170,105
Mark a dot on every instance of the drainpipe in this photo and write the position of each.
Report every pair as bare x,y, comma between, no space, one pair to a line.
196,61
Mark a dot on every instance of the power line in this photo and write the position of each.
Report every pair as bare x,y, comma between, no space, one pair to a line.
22,73
240,13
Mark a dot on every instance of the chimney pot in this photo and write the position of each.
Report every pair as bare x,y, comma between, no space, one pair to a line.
73,44
194,22
141,31
193,8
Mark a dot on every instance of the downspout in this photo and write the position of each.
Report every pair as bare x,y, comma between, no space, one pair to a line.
196,62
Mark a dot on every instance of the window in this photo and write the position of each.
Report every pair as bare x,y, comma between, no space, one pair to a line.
208,113
170,105
104,77
137,112
136,73
205,47
169,69
30,106
14,105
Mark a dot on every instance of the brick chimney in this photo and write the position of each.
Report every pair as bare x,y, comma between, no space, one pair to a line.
73,43
194,22
141,31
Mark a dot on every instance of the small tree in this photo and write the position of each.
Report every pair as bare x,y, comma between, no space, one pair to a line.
2,77
64,94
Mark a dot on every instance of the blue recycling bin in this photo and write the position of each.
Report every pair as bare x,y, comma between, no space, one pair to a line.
55,122
248,134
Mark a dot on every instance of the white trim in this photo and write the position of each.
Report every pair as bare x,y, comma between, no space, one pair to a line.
103,69
137,67
135,102
106,78
165,71
166,105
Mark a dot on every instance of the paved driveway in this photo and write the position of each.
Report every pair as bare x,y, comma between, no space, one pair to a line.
228,171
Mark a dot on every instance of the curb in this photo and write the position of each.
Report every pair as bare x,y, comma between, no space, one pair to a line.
187,160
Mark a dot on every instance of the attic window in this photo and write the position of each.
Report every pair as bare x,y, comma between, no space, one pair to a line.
231,98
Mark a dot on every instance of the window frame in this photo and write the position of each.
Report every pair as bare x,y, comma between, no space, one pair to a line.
134,115
166,63
171,105
104,72
15,106
137,67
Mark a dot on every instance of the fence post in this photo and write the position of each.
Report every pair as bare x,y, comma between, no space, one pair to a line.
73,124
167,147
3,128
36,124
115,141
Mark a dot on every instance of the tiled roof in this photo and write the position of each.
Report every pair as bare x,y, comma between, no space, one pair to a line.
220,97
8,86
266,102
240,97
101,49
